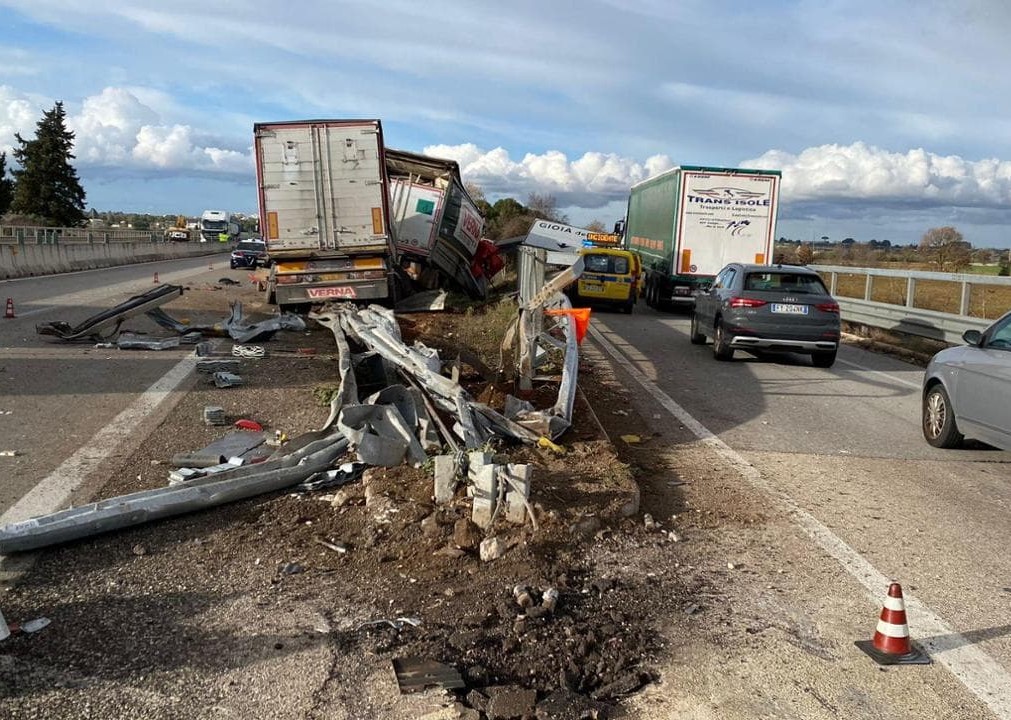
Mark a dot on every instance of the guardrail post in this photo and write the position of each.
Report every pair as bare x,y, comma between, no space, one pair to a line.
868,286
833,283
966,295
910,291
105,237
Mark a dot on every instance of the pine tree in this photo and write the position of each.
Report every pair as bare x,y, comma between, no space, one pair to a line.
6,186
47,185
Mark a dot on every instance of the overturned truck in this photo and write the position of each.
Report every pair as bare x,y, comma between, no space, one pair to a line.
437,225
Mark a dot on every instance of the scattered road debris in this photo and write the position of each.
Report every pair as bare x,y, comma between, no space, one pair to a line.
396,623
227,379
214,415
249,425
415,675
426,301
335,546
346,473
235,326
248,351
107,323
135,508
210,367
134,341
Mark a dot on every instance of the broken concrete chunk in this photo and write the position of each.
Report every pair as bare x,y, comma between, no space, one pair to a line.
517,482
446,470
492,549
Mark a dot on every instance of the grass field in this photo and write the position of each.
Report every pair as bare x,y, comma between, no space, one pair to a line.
985,301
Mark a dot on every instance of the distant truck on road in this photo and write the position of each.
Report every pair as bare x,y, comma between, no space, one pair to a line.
216,223
690,221
324,211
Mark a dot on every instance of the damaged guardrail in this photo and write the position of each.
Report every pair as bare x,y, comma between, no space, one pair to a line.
396,425
147,505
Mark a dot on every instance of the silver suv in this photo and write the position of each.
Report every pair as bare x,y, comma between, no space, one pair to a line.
768,308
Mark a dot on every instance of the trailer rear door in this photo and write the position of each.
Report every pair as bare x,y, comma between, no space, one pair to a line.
322,186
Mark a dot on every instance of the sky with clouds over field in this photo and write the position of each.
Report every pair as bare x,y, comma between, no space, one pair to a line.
886,119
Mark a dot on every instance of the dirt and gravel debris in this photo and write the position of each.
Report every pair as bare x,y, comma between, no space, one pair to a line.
248,609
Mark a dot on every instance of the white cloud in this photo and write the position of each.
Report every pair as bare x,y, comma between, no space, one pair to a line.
17,114
590,181
862,172
115,130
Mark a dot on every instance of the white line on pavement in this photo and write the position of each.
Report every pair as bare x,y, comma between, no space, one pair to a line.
893,378
54,492
981,674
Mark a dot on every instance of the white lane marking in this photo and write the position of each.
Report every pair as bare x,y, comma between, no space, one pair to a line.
53,492
982,675
882,373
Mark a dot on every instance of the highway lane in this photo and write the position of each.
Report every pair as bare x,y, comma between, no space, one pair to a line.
60,394
844,446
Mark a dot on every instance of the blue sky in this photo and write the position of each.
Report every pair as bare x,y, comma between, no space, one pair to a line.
886,119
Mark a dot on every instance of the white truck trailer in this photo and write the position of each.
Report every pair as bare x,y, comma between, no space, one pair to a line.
324,211
690,221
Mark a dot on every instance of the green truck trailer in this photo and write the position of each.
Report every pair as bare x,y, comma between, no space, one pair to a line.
690,221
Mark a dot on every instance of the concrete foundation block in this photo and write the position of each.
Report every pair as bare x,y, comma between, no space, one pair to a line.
445,478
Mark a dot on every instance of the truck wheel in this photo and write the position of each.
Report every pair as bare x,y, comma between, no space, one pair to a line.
721,345
696,337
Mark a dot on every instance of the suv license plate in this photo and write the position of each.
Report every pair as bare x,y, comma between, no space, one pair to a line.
789,309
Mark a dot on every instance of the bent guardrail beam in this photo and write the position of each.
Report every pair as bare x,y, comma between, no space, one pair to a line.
204,492
94,326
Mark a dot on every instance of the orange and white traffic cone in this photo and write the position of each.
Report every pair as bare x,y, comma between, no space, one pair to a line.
9,312
156,280
891,645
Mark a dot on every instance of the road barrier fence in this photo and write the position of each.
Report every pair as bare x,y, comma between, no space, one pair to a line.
935,305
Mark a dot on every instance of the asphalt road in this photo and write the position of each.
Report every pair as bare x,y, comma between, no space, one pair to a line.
832,457
55,396
840,450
